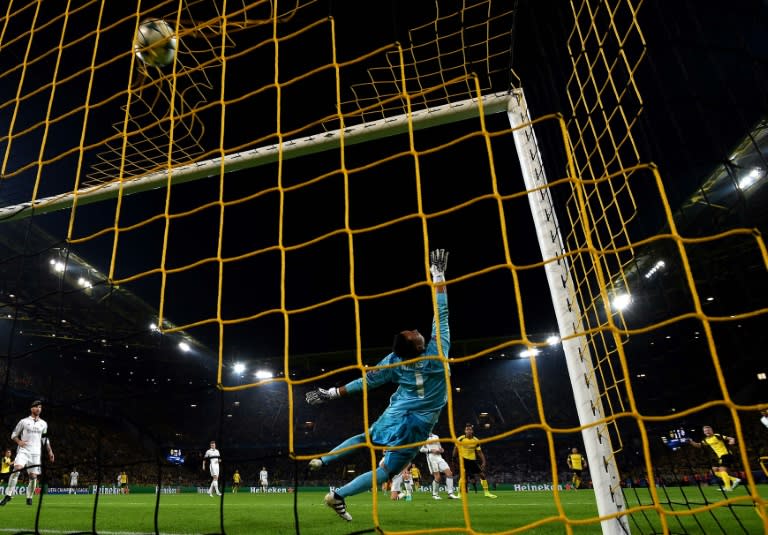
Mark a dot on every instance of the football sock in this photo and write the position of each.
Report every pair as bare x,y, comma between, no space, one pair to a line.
435,487
484,484
12,483
361,483
408,488
31,487
449,485
725,478
358,439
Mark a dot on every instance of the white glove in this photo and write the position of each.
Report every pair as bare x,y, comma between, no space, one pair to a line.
320,396
438,260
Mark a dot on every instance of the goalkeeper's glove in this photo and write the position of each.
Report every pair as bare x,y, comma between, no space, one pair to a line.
321,395
438,260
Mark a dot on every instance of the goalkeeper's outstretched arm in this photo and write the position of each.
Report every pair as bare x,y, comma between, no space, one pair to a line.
407,344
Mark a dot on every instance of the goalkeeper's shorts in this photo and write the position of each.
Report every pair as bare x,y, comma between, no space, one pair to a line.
398,429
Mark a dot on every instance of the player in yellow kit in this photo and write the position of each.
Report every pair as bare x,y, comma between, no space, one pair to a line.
576,462
415,476
468,446
236,480
7,462
719,444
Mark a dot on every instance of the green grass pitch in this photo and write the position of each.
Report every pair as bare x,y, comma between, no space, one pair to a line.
273,514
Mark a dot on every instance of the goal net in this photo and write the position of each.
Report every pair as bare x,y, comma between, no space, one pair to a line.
188,248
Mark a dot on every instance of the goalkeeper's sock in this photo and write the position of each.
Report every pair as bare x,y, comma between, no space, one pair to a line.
31,487
357,439
12,483
361,483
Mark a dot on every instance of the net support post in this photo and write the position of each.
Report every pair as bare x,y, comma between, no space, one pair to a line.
597,443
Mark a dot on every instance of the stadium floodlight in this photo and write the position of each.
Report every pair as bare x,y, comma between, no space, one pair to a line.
184,347
658,266
263,374
527,353
750,178
57,266
553,340
153,327
622,301
761,376
239,368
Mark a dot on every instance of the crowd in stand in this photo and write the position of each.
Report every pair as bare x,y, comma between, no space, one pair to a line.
100,446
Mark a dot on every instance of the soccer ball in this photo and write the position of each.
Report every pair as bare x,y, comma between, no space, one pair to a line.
155,43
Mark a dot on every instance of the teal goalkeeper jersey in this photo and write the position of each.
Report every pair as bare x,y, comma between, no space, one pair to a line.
421,390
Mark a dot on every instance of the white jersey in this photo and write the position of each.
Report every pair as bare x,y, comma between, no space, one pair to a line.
213,457
263,477
32,432
434,451
73,478
764,420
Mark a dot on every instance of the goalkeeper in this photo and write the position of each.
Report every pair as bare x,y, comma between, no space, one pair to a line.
413,409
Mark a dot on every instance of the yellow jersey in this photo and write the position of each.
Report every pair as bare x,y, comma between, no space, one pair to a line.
5,467
576,461
415,472
236,477
717,444
468,447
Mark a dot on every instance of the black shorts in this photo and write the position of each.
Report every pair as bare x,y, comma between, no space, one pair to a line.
726,460
471,467
576,472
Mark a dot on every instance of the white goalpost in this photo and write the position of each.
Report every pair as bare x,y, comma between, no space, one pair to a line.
601,461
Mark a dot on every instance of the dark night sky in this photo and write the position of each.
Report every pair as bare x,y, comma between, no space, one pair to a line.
704,85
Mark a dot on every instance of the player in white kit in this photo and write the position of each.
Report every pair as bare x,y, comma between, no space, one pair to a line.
29,436
213,457
263,479
73,477
437,466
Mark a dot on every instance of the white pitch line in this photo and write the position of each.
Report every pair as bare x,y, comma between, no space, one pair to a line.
53,531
